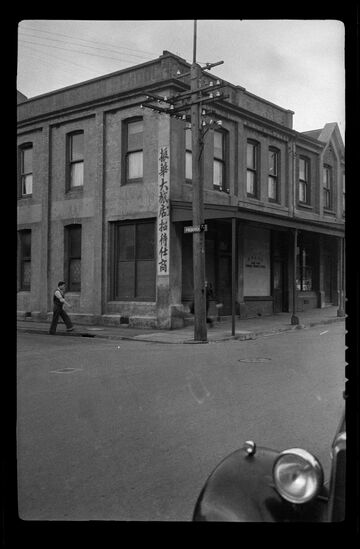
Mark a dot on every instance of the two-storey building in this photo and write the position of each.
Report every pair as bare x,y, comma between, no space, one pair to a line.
93,208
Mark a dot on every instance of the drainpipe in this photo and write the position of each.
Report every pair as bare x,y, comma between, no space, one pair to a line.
233,274
341,309
294,317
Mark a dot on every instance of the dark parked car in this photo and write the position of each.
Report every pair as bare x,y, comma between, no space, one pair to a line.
257,484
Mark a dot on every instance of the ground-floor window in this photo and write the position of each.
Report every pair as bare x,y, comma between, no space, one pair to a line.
72,254
304,270
25,259
133,260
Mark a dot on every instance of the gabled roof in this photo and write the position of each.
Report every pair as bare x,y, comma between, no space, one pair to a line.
329,131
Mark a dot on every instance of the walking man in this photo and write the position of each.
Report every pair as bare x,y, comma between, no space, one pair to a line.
59,302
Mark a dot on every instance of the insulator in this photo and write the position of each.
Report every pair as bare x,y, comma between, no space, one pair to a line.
218,82
211,83
211,95
218,94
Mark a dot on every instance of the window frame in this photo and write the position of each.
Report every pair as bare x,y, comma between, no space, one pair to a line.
70,162
23,258
304,182
69,256
127,151
115,260
22,174
303,267
327,187
221,160
188,153
276,177
254,170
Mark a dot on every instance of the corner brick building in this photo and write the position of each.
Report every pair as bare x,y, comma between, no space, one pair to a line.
91,209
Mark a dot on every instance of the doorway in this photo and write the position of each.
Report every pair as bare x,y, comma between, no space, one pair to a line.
278,285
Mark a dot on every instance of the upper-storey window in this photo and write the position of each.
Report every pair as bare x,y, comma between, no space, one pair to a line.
75,176
273,175
188,155
219,177
304,180
25,259
134,132
252,161
26,169
327,187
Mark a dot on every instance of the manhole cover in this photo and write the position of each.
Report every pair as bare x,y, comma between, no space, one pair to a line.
65,370
254,359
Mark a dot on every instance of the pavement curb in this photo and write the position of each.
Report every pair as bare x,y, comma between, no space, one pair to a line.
251,335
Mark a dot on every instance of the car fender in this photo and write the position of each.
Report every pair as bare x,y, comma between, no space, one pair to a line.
241,489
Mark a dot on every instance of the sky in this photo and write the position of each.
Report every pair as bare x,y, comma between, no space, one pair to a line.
296,64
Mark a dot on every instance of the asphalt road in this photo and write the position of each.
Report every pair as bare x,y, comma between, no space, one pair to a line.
130,430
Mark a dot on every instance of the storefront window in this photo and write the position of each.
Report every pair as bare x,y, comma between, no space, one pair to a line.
304,274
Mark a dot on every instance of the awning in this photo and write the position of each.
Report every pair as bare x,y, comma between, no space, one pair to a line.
182,211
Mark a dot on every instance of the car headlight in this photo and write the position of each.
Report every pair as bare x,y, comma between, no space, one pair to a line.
298,475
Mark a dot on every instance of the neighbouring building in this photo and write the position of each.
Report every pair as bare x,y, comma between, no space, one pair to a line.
92,210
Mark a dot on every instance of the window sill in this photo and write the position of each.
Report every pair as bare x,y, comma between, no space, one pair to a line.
329,212
305,206
225,191
130,181
74,191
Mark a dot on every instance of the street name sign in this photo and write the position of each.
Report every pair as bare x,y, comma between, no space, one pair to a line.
195,228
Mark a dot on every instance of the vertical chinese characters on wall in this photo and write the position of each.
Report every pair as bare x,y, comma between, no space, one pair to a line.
163,243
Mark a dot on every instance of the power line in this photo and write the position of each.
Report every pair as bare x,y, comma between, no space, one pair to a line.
92,41
37,52
74,50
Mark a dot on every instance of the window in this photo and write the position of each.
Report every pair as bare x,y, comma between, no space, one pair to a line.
134,261
343,193
273,175
75,160
134,150
219,161
327,187
303,270
73,257
188,155
26,169
25,259
252,169
304,183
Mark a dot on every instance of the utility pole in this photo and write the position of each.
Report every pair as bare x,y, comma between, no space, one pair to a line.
188,106
200,328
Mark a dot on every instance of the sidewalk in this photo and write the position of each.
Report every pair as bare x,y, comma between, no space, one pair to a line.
221,331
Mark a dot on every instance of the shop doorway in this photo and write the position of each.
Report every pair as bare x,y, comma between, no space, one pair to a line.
328,279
